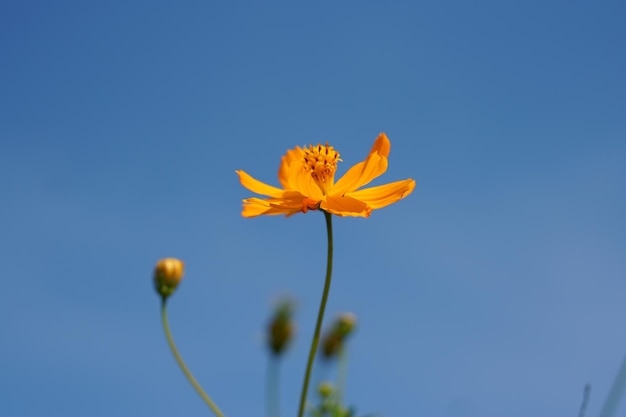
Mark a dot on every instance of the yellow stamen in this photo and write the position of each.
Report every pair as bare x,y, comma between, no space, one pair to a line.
321,162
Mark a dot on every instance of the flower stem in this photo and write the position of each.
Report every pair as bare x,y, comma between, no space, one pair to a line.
320,314
342,373
181,363
273,387
617,392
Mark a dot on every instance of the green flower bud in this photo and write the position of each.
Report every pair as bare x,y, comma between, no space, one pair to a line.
331,345
334,339
281,327
345,323
325,389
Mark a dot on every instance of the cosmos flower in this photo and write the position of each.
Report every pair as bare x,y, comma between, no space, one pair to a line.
307,176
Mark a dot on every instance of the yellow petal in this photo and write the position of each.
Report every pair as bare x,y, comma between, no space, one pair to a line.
364,172
345,206
253,207
293,156
257,186
382,145
383,195
300,180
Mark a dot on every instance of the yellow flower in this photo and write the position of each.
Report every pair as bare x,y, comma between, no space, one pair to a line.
308,179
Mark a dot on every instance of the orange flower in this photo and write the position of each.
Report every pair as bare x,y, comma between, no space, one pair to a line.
308,179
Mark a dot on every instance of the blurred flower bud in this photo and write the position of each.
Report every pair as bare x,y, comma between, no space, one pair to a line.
167,275
281,327
345,323
334,339
325,389
331,344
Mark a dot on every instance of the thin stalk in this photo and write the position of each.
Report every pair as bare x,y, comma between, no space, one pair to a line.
181,363
320,314
617,392
583,405
342,373
272,399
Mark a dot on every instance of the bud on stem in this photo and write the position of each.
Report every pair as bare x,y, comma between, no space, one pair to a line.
334,339
167,275
281,328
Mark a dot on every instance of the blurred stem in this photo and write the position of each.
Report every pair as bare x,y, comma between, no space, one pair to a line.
181,363
342,373
320,314
273,387
583,405
617,392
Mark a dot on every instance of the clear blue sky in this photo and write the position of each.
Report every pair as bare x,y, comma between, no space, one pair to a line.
496,289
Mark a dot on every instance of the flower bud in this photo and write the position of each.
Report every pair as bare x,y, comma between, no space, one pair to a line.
334,339
167,275
281,327
331,345
325,389
345,323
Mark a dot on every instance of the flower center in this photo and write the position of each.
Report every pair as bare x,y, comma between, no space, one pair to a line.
321,162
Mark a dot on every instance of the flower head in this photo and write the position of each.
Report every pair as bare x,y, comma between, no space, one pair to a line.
307,176
167,275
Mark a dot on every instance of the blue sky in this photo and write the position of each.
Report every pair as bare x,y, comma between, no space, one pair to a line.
496,288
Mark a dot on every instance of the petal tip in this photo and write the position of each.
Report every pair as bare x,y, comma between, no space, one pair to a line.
382,145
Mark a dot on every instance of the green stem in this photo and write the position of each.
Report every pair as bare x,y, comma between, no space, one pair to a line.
617,392
181,363
342,373
320,314
273,387
583,405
